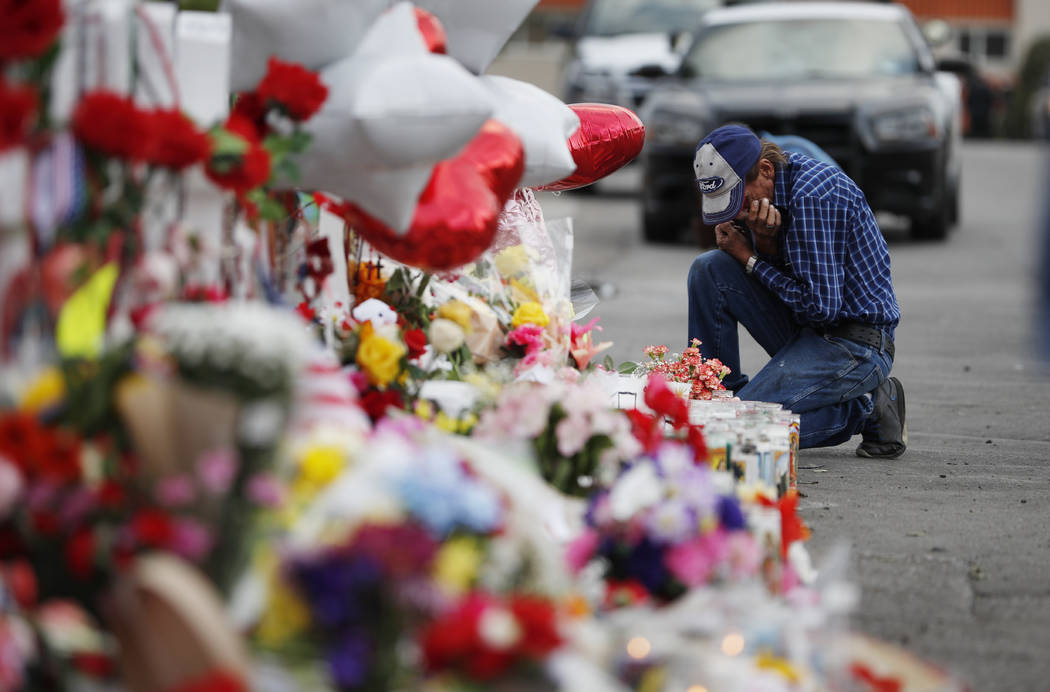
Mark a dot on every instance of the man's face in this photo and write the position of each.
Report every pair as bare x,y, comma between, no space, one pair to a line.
758,189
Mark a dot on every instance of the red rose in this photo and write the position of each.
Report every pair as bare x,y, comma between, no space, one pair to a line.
416,340
539,625
375,402
80,553
294,89
28,27
111,495
252,108
93,664
59,459
152,528
21,439
17,111
111,124
178,143
252,168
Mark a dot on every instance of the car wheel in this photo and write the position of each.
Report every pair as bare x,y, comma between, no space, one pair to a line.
933,226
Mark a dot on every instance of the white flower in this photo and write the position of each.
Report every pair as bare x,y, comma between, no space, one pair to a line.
638,489
445,335
498,628
261,423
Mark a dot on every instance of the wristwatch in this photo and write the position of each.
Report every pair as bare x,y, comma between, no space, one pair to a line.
750,266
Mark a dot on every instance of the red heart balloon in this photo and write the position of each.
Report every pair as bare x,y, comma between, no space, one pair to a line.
608,138
499,155
433,33
455,221
457,213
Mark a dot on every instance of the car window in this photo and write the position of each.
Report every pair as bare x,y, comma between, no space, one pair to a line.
612,17
802,49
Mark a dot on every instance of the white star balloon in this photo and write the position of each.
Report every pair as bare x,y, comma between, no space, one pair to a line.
312,33
478,29
393,111
542,121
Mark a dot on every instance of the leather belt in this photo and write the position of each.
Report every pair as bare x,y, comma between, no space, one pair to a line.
866,334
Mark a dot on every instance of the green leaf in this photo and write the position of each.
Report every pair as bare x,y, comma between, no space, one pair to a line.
226,143
627,368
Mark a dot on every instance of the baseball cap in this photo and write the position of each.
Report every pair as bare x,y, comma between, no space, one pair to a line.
722,161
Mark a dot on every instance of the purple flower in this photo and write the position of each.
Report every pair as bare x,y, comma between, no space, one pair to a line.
349,659
339,587
729,513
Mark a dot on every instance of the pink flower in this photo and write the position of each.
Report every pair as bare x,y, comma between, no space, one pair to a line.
216,469
580,551
264,489
190,539
530,336
694,561
175,491
572,432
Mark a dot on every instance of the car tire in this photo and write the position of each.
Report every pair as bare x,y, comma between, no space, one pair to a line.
933,226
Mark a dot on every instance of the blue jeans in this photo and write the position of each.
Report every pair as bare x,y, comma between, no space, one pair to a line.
823,379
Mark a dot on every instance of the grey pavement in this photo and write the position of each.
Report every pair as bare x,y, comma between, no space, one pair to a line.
950,543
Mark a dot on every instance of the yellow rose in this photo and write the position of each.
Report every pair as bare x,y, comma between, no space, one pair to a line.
380,358
47,390
319,466
512,261
529,313
457,563
457,311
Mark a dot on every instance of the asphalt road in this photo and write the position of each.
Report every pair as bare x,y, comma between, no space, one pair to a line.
950,543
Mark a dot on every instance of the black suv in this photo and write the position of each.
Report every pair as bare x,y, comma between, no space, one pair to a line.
858,79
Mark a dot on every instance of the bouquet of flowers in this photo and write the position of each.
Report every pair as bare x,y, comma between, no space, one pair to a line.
579,440
701,376
669,524
409,563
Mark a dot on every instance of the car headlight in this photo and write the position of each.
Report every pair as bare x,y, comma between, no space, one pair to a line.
673,129
916,123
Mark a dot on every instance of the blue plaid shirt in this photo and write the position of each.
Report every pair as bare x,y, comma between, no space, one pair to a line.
833,264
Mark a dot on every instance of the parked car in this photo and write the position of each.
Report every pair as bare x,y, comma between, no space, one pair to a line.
620,46
858,79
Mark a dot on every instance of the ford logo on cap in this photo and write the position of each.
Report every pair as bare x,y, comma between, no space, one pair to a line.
709,185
